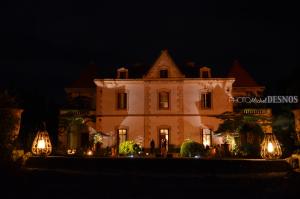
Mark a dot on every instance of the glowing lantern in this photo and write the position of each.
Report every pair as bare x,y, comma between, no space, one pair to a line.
71,151
270,147
89,152
41,144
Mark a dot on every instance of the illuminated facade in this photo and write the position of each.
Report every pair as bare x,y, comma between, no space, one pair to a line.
163,103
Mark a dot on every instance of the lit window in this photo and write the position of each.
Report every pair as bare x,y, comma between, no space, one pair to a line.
206,100
206,134
163,100
122,100
163,73
122,135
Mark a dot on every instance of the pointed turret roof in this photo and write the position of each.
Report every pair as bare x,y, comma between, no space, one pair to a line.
86,78
242,77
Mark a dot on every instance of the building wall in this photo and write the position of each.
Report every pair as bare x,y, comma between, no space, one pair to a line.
184,119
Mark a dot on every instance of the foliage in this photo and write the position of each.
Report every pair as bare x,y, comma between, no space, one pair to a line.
190,148
173,149
8,123
20,157
129,148
297,151
239,123
284,129
251,126
249,151
98,138
250,133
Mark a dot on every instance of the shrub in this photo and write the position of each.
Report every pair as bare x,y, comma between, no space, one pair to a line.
190,148
249,151
129,147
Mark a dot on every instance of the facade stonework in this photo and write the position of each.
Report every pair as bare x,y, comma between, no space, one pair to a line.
184,118
162,103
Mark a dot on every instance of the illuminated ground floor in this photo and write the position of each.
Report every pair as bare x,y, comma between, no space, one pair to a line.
141,129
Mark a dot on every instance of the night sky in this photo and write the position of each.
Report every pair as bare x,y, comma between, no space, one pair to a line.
46,44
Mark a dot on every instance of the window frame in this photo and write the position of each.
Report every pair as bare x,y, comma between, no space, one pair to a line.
118,134
164,73
160,134
160,102
203,103
119,99
207,137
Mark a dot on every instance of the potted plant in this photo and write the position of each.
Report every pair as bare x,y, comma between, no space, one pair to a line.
10,120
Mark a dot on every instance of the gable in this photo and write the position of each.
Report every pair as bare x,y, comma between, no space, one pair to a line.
164,62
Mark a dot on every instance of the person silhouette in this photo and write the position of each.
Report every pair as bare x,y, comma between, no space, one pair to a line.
163,147
152,146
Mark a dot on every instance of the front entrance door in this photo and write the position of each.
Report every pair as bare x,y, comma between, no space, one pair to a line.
164,134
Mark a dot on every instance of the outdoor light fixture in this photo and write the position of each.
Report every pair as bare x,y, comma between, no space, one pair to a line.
41,144
270,147
71,151
89,152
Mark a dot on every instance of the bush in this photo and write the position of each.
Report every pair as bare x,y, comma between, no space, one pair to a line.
129,147
190,148
249,151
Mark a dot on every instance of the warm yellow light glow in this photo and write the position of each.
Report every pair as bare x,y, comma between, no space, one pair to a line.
270,147
71,151
206,137
89,152
41,144
205,143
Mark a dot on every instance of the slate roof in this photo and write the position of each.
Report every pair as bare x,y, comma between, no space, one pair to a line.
137,69
242,77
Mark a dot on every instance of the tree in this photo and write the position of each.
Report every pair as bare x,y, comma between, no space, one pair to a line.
248,129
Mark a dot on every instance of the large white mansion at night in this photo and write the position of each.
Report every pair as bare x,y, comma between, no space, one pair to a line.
161,103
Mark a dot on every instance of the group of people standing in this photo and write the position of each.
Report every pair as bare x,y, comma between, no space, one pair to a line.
163,147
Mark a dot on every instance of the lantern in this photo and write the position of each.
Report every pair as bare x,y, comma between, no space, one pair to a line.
270,147
41,144
89,152
71,151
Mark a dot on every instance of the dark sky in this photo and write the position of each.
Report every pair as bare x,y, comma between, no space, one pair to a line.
45,44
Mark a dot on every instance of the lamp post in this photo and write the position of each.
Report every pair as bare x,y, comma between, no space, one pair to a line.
270,147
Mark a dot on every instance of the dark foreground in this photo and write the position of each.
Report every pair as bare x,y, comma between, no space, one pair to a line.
58,177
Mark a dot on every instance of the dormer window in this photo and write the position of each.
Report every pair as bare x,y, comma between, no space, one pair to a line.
122,73
205,72
163,73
